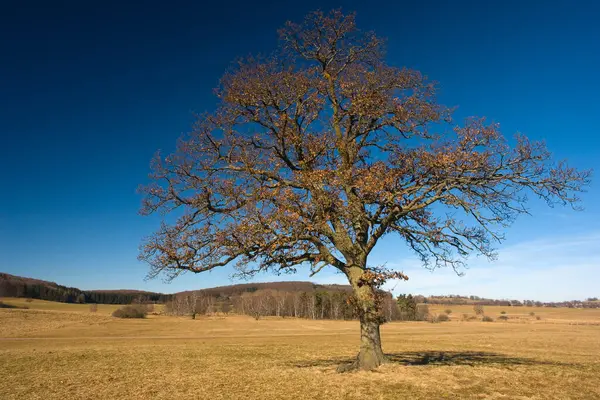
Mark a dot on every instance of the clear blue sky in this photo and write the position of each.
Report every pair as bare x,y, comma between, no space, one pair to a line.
90,90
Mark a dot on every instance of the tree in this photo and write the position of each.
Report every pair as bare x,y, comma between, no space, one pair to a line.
191,302
408,307
254,304
280,300
315,153
390,308
225,308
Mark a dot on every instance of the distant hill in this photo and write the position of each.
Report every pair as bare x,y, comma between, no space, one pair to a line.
289,286
18,286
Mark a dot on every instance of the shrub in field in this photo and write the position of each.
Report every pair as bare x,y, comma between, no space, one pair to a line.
29,300
4,305
93,307
487,319
538,317
532,313
465,317
443,318
422,313
448,311
131,311
472,318
478,308
502,312
503,318
436,318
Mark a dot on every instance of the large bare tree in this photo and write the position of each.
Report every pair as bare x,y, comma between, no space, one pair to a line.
317,152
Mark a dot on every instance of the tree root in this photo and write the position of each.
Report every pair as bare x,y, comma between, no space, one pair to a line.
357,365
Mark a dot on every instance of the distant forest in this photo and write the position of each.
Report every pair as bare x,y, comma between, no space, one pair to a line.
16,286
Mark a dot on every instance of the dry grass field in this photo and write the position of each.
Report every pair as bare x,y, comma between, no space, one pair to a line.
60,351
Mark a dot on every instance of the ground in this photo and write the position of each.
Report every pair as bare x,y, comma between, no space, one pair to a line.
57,351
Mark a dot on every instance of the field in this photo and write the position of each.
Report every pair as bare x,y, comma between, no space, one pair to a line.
60,351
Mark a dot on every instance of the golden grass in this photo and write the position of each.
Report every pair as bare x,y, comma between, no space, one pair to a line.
523,314
35,304
50,354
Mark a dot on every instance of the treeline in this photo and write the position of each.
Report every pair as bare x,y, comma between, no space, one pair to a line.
302,299
458,300
317,304
285,286
14,286
335,303
124,297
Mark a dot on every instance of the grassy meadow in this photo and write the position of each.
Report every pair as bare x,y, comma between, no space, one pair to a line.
63,351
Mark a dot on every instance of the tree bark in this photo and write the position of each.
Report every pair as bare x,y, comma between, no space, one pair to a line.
369,310
371,354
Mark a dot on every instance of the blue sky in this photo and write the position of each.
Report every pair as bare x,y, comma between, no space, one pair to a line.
89,92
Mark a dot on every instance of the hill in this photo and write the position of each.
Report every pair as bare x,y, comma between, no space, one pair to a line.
289,286
18,286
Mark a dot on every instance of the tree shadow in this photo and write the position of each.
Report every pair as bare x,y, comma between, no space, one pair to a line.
441,358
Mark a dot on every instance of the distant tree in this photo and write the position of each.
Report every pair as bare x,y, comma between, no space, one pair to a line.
254,304
191,302
316,153
390,308
311,305
297,304
407,306
422,312
337,304
225,308
279,299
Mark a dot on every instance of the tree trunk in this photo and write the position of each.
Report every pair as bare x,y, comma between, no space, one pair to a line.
371,355
368,307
